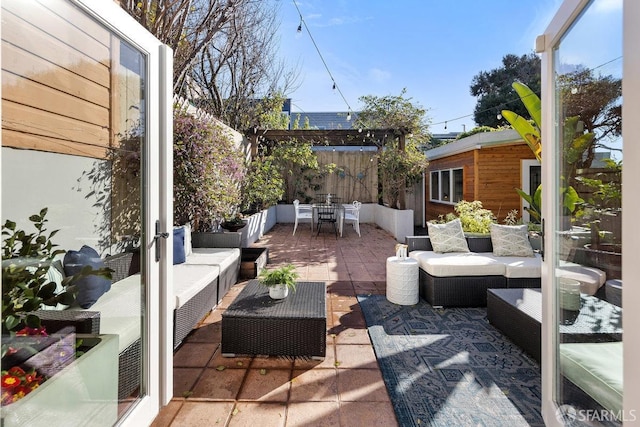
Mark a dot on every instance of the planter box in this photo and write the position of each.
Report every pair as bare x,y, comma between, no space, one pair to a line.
253,260
84,392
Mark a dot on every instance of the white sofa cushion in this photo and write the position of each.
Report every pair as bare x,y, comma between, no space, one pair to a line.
189,279
458,264
120,310
597,369
223,257
590,278
521,267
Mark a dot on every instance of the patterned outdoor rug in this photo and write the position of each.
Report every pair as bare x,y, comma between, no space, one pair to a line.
450,367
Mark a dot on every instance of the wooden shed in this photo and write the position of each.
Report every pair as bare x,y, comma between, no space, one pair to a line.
485,166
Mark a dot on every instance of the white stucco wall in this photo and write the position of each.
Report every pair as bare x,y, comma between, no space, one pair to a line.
73,188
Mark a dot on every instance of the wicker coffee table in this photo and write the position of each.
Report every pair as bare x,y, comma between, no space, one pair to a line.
517,313
295,326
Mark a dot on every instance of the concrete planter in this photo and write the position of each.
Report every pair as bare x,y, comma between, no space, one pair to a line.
398,222
258,224
85,391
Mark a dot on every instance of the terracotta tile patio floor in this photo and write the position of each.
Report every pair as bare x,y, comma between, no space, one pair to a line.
345,389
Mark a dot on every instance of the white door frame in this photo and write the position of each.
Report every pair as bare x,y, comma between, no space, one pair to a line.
157,379
525,184
564,18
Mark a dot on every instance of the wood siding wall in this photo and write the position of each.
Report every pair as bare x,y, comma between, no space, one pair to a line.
57,80
490,175
356,177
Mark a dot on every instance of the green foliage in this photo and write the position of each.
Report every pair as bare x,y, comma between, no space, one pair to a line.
286,275
529,132
474,217
26,259
299,168
605,194
400,169
493,88
268,113
208,170
394,112
535,203
263,185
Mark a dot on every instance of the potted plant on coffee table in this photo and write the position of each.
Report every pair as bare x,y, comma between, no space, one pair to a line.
279,280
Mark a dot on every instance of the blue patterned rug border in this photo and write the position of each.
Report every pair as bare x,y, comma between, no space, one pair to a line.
450,367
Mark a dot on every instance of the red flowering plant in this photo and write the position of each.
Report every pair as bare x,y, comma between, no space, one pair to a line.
17,382
27,288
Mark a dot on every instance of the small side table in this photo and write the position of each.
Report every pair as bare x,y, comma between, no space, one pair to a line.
402,281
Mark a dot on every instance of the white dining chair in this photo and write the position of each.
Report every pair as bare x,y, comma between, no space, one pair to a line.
352,215
303,212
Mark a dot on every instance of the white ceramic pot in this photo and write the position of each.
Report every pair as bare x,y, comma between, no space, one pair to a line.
278,291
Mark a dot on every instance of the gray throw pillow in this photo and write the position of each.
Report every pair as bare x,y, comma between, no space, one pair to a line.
447,237
510,240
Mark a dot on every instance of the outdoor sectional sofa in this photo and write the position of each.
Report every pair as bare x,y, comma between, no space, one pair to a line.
461,279
199,283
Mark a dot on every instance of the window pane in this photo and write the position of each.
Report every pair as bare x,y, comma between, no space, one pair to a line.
588,80
445,186
435,185
74,134
458,187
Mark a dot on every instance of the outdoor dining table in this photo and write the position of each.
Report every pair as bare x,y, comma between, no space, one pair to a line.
340,209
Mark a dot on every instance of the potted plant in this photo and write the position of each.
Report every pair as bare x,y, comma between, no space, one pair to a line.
27,286
279,280
234,223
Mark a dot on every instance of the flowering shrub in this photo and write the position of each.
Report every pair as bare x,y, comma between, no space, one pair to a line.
17,383
208,169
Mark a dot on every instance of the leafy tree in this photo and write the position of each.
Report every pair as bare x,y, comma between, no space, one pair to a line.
263,185
394,112
595,102
397,168
223,50
400,169
493,88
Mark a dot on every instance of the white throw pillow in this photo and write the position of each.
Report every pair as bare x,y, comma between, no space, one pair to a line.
447,237
510,240
188,249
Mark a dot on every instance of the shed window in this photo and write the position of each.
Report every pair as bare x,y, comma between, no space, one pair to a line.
447,185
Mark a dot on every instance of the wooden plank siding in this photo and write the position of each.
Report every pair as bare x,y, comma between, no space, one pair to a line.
57,88
490,175
356,178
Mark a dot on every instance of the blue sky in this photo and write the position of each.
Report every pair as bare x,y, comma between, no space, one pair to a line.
433,48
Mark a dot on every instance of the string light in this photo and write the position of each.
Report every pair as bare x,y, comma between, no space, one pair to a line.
335,85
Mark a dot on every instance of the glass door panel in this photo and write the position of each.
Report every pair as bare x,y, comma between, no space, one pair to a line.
587,238
74,136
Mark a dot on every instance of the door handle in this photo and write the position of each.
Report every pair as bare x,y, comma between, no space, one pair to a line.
159,235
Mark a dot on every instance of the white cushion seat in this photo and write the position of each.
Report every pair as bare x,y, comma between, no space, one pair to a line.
522,267
458,264
597,369
222,257
189,279
120,311
590,278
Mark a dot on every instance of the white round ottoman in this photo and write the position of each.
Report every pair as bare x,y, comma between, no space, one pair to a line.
402,280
